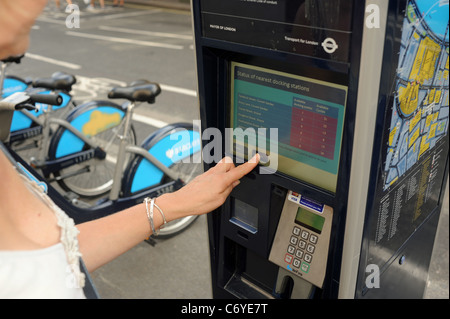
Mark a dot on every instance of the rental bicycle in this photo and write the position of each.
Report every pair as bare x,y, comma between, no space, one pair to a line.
26,125
93,153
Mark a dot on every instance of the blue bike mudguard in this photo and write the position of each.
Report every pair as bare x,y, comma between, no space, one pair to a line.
90,119
20,121
168,150
12,85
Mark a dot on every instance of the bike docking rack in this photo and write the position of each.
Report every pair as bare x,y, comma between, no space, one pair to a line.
29,125
26,125
121,193
72,154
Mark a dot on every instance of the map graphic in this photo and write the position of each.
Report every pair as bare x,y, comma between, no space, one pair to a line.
420,115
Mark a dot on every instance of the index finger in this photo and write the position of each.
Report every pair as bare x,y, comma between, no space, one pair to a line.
223,166
242,170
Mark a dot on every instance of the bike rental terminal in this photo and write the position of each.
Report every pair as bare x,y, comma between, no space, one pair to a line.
347,103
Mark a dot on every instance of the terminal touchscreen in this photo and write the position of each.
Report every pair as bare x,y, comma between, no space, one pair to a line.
308,116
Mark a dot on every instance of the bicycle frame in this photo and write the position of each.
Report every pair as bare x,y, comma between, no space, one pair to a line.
95,151
124,148
82,212
56,165
21,128
75,210
149,173
22,86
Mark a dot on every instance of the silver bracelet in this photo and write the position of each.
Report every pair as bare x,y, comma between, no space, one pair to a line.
155,232
162,214
150,214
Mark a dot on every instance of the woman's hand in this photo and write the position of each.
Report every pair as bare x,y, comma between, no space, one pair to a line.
208,191
104,239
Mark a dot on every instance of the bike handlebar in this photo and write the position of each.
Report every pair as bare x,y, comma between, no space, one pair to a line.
23,100
13,59
52,99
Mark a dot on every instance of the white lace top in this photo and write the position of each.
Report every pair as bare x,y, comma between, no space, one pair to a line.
52,272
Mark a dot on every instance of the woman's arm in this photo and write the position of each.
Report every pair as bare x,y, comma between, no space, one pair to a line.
16,19
106,238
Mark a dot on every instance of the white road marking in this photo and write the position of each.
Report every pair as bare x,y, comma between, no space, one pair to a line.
178,90
149,121
53,61
150,33
123,40
50,20
128,14
60,18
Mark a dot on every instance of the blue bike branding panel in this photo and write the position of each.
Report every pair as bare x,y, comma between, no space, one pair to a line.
174,148
12,85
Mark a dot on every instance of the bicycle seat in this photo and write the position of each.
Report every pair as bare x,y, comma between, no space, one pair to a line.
13,59
142,91
58,81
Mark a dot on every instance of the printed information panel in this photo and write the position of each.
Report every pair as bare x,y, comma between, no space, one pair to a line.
314,28
308,115
415,138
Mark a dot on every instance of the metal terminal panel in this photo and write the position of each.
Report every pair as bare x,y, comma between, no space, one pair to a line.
302,239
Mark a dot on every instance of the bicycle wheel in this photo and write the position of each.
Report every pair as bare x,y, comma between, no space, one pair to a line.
178,147
102,122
